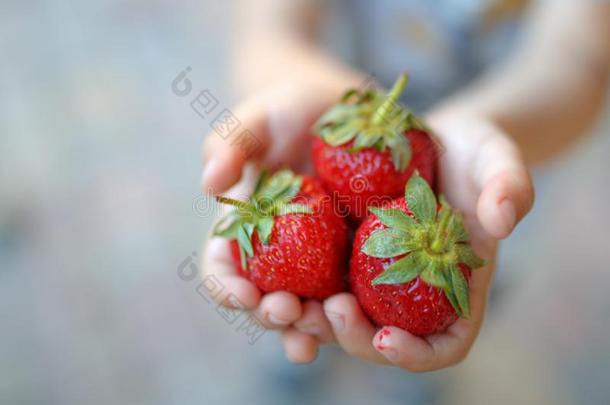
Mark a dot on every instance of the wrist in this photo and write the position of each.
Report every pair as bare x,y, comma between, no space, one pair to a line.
293,62
449,115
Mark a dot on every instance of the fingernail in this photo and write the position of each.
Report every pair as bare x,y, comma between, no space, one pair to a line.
336,320
507,208
388,352
277,321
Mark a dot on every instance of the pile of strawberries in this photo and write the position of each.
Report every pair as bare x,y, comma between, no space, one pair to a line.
374,166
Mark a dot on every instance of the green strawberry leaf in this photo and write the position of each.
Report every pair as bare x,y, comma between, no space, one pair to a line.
249,229
453,300
246,215
264,227
244,241
224,230
434,275
396,119
420,199
394,218
402,271
244,235
348,94
459,287
387,243
263,177
401,152
292,190
416,123
282,183
341,135
367,96
338,115
466,255
365,140
456,231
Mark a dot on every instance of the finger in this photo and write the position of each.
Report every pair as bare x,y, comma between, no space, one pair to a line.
403,349
299,347
507,193
313,322
279,309
433,352
221,280
224,156
442,350
354,332
417,354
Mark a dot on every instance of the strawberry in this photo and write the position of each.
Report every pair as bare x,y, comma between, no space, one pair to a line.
411,262
368,146
288,236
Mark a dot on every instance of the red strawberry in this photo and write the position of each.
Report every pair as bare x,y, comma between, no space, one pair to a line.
368,147
288,236
411,262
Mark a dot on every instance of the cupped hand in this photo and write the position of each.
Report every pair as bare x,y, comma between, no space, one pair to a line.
279,119
482,174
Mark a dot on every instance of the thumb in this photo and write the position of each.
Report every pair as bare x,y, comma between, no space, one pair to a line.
243,135
273,127
506,190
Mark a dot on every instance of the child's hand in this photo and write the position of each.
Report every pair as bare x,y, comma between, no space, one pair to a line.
280,119
482,174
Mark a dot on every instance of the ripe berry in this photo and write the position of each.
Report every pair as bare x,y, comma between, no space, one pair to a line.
368,147
411,262
288,237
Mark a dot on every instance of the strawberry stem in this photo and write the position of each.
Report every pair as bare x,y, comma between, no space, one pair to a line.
382,112
236,203
438,244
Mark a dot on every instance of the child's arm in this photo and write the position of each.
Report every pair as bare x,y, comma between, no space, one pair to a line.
274,41
553,85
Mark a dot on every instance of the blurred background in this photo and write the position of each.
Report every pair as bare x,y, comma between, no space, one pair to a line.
100,205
